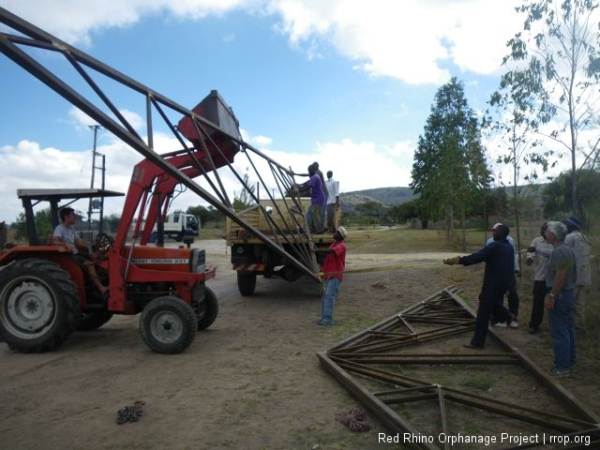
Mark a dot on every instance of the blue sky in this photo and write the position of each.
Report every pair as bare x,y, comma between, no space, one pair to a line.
347,83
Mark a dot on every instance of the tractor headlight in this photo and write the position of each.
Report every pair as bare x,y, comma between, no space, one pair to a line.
197,261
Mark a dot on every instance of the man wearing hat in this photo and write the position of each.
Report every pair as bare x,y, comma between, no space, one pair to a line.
333,273
581,248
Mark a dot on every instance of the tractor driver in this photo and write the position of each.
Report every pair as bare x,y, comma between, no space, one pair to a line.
65,235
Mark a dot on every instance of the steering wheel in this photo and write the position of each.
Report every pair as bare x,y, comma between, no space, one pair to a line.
103,242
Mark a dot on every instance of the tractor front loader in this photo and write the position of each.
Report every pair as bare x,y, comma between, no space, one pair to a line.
44,295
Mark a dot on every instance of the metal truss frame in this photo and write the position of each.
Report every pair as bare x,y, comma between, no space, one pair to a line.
378,355
86,82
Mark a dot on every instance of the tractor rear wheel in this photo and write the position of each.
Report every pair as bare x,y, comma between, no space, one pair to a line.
246,282
207,310
168,325
39,305
93,321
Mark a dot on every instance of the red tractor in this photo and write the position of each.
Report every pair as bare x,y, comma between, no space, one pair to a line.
45,295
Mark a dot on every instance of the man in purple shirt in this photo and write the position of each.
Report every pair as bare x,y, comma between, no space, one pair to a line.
314,216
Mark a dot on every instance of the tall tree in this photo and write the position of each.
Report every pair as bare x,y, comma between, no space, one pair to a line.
449,164
556,73
511,124
557,195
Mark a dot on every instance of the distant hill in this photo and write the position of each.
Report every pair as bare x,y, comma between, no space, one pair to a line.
388,196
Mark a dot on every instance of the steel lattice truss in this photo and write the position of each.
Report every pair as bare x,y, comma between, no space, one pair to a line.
412,372
207,148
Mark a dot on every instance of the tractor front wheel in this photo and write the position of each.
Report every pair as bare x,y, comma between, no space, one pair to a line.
207,310
39,305
168,325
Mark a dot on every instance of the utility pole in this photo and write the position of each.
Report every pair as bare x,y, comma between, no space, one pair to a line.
95,129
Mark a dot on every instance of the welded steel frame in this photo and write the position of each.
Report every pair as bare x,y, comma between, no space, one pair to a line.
349,361
96,103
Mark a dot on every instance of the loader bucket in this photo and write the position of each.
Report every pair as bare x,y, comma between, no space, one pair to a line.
221,146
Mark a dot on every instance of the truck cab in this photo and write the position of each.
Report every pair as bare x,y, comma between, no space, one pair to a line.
177,225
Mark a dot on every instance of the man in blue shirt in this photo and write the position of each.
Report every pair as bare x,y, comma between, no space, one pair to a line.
499,257
513,296
314,216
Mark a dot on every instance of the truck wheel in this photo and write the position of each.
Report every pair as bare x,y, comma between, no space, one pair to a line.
246,282
168,325
39,305
93,321
207,310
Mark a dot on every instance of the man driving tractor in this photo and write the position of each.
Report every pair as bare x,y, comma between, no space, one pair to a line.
64,234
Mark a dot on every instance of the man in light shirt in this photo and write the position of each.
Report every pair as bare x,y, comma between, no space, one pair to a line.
333,200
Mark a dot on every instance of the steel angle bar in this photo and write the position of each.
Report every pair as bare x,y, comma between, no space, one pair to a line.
420,303
437,320
572,420
443,415
419,338
365,335
515,412
386,415
408,394
386,376
441,314
393,358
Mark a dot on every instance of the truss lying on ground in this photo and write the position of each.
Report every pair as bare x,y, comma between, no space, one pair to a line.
439,388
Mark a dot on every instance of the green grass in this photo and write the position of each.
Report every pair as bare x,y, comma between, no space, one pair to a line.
396,240
482,382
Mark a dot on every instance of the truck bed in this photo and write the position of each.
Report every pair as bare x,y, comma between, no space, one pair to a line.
283,222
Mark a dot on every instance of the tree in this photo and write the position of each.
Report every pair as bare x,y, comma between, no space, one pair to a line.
557,195
513,129
407,211
449,166
206,214
245,197
112,222
557,73
42,222
371,210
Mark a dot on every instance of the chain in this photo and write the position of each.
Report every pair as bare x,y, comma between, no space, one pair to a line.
130,413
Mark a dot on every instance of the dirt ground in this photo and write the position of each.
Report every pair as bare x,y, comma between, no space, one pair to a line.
251,381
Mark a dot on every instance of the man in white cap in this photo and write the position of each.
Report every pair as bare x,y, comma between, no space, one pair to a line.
333,273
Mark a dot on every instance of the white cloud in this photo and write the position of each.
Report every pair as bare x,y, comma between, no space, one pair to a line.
357,165
413,40
60,168
257,141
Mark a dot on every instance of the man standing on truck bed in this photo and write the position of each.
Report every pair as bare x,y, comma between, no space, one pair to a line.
314,216
333,273
333,200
